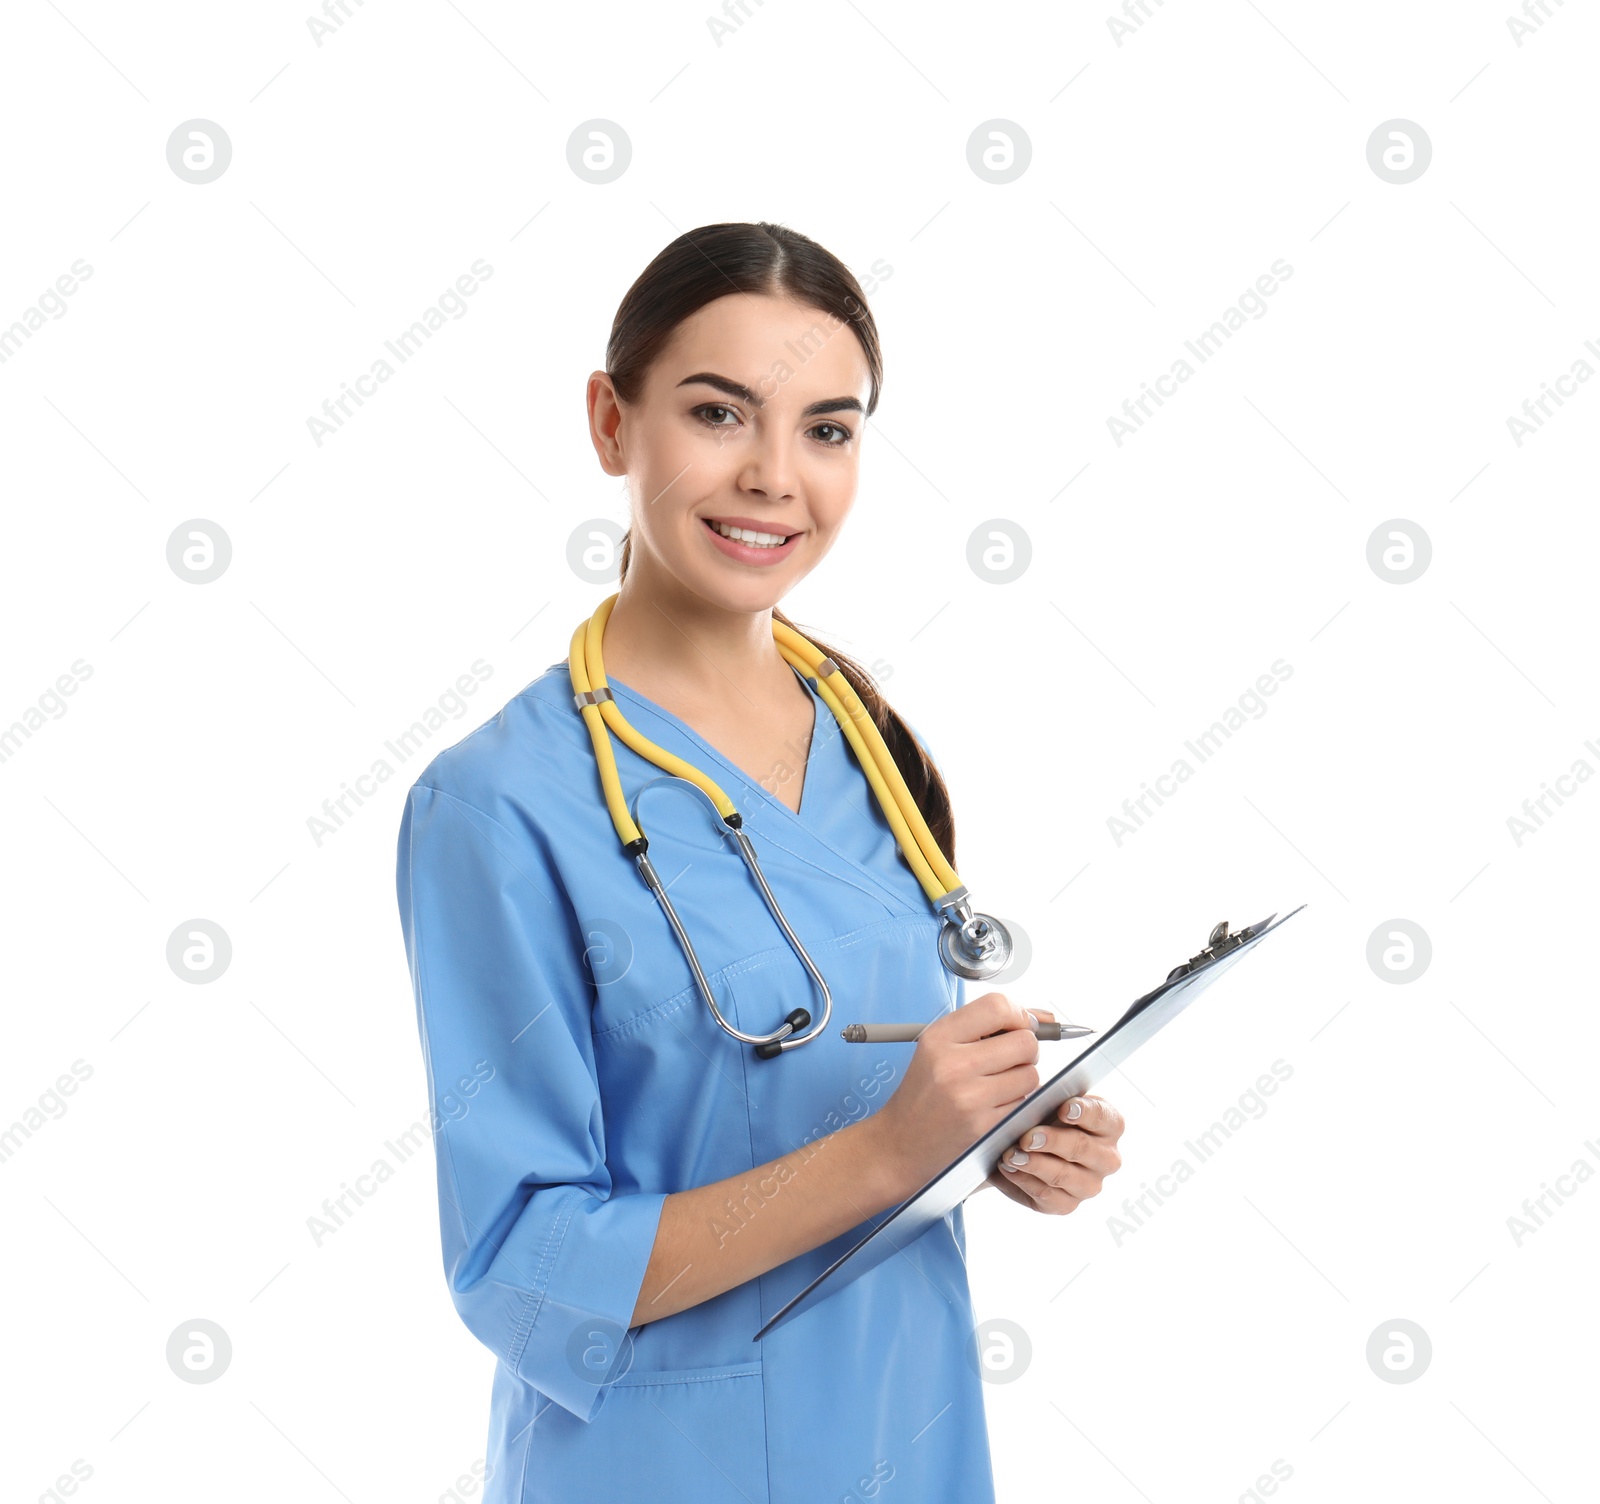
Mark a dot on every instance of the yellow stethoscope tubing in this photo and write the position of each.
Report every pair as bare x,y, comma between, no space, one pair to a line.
905,819
599,716
872,753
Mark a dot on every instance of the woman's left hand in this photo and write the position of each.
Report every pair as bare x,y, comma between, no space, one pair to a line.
1067,1159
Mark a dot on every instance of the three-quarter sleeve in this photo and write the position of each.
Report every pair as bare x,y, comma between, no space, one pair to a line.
544,1264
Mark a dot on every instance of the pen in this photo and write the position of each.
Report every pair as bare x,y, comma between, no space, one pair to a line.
902,1033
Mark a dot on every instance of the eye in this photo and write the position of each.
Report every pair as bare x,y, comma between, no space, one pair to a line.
840,435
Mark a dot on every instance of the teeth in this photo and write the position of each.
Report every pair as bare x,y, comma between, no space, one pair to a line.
746,535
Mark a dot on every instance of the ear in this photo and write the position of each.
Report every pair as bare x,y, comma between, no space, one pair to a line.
605,423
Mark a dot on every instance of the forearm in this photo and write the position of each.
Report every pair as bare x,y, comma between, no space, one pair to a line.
716,1236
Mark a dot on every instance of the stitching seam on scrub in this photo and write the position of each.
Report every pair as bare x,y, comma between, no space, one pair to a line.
746,1061
533,1293
467,1232
527,1450
671,1376
534,1296
880,889
690,993
457,799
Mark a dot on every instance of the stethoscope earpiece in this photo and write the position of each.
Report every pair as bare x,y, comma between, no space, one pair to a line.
795,1022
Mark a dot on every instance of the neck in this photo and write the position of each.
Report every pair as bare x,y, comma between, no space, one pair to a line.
672,645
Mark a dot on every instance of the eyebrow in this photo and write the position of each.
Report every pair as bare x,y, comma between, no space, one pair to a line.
744,394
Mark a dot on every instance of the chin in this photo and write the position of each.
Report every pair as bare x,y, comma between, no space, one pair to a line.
744,595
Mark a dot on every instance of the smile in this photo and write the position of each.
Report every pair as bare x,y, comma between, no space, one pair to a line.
748,536
750,545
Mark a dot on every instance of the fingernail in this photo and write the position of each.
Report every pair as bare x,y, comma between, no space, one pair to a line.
1036,1138
1018,1157
1005,1166
1031,1014
1075,1108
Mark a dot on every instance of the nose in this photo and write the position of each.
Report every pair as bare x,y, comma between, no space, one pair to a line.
771,468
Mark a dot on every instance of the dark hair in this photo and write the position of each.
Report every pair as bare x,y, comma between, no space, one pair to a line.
771,260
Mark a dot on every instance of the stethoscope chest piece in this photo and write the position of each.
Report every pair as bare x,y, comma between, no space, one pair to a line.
974,946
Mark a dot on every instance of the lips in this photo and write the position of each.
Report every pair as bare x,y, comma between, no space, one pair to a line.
751,553
754,524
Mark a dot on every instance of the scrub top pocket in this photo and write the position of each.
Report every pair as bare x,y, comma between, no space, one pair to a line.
683,1436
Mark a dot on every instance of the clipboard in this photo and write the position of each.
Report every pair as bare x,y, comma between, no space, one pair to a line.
1145,1017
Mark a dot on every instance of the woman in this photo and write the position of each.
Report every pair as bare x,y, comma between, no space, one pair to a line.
627,1191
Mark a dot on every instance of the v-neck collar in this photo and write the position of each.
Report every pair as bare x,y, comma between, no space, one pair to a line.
822,719
828,788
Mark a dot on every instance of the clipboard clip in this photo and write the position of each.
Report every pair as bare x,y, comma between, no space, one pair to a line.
1219,943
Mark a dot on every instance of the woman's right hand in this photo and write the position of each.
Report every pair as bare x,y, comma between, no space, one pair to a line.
968,1069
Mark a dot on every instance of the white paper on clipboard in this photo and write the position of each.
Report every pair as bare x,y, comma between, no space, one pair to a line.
1145,1017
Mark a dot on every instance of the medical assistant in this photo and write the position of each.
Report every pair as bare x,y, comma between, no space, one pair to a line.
577,1078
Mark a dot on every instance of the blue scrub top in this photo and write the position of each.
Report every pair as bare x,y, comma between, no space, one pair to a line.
577,1077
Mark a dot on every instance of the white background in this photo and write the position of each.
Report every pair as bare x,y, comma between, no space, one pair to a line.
1167,573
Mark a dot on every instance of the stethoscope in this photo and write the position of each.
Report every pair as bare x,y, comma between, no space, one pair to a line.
971,945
